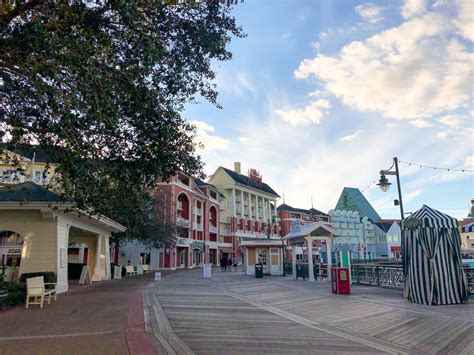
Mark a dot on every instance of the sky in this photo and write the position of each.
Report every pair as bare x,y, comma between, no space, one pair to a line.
323,94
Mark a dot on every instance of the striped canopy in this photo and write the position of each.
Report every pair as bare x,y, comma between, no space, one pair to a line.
468,228
432,264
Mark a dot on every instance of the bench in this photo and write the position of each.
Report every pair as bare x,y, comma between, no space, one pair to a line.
146,269
130,271
36,290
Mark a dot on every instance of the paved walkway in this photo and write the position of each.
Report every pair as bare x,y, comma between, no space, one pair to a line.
234,313
105,317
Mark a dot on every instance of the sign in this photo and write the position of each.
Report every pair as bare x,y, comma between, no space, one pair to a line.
140,270
14,251
184,241
411,223
197,244
85,275
118,272
157,276
207,271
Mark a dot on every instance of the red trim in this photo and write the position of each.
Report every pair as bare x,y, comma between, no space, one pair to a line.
395,248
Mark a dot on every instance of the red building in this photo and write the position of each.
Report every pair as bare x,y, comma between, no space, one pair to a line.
194,206
289,215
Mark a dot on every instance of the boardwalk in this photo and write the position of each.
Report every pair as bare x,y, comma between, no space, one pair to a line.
240,314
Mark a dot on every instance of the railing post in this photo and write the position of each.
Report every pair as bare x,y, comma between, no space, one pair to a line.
377,275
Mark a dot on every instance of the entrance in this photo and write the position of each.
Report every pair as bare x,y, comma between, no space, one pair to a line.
262,257
11,246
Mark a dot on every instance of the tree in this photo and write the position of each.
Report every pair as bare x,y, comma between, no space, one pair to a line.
101,87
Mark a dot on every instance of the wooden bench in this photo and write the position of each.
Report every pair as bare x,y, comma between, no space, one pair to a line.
130,271
36,290
146,269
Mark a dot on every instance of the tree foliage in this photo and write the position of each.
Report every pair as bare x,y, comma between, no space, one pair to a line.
101,87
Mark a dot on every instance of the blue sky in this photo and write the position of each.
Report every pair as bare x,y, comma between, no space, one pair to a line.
322,94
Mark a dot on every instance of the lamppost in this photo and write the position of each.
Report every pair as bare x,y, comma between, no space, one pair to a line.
384,184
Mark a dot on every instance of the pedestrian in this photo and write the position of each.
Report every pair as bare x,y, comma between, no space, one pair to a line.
223,262
235,261
230,263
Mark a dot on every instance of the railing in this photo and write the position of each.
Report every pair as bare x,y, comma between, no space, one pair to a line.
379,261
302,270
199,227
212,229
180,221
470,278
378,275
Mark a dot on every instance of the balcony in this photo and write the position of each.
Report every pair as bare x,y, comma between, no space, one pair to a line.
212,229
181,222
198,211
198,227
224,219
179,206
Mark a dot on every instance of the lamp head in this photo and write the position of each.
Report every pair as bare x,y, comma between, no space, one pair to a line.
384,184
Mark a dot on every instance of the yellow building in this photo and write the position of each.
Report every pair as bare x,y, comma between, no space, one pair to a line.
38,231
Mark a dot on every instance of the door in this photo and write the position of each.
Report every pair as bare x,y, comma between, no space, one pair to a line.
275,261
262,257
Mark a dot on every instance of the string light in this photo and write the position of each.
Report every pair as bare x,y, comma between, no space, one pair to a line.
437,167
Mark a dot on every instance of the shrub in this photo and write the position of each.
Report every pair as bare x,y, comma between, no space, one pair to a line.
49,276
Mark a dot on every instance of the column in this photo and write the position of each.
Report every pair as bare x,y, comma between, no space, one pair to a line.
256,207
97,257
234,211
309,247
242,203
293,260
269,211
189,252
328,253
108,271
250,206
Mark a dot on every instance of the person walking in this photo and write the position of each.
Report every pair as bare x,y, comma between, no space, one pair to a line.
230,263
223,263
235,262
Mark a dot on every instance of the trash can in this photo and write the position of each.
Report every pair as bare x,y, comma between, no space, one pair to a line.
259,270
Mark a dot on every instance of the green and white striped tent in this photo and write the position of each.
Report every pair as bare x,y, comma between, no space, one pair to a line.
431,252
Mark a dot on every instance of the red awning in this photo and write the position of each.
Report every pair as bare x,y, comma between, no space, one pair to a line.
395,248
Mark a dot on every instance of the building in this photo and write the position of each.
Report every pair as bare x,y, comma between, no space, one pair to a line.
389,239
351,199
193,207
249,209
467,233
289,215
37,229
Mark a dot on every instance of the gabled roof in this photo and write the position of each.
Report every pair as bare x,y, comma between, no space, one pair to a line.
384,226
308,229
430,218
28,192
245,180
311,211
351,199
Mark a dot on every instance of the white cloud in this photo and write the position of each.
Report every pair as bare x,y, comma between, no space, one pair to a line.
210,142
316,45
369,12
469,162
412,71
351,137
235,81
243,139
451,121
412,8
407,197
465,20
420,123
312,113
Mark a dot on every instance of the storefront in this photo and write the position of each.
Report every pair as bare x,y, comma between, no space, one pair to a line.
268,252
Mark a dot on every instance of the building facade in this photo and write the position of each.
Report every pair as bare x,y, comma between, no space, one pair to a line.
248,209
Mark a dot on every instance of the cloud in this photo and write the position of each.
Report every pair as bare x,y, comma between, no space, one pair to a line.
407,197
416,70
351,137
312,113
235,81
469,162
465,22
451,121
210,142
412,8
243,139
420,123
316,45
369,12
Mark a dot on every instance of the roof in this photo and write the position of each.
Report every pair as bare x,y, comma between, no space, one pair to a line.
27,151
467,228
427,217
28,192
311,211
308,229
351,199
245,180
385,226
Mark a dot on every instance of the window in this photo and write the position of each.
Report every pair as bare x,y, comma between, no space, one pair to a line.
262,257
145,258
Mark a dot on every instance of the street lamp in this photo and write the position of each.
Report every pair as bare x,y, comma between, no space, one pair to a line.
384,184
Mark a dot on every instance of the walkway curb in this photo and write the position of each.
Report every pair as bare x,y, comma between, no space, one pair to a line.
138,341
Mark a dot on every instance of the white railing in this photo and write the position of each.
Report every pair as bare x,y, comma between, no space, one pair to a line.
212,229
198,211
180,221
224,219
179,205
198,227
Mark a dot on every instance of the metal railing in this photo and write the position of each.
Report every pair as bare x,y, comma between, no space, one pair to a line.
378,275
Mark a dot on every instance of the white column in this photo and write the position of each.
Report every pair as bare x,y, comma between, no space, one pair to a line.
293,260
234,212
250,206
329,257
309,247
107,257
98,250
269,211
242,203
256,207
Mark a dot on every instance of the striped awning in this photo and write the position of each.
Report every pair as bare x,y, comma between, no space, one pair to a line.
429,217
468,228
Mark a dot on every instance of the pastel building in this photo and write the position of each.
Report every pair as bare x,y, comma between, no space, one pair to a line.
249,214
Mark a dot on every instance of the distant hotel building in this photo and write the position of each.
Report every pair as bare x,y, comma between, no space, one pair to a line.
288,215
249,208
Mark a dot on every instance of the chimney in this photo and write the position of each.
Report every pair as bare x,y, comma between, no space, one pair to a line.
237,167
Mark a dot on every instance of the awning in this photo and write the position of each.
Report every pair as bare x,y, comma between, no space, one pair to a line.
396,249
468,228
225,250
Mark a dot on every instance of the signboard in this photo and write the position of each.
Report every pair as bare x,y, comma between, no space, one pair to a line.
118,272
85,276
197,244
207,271
140,270
411,223
14,251
157,276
